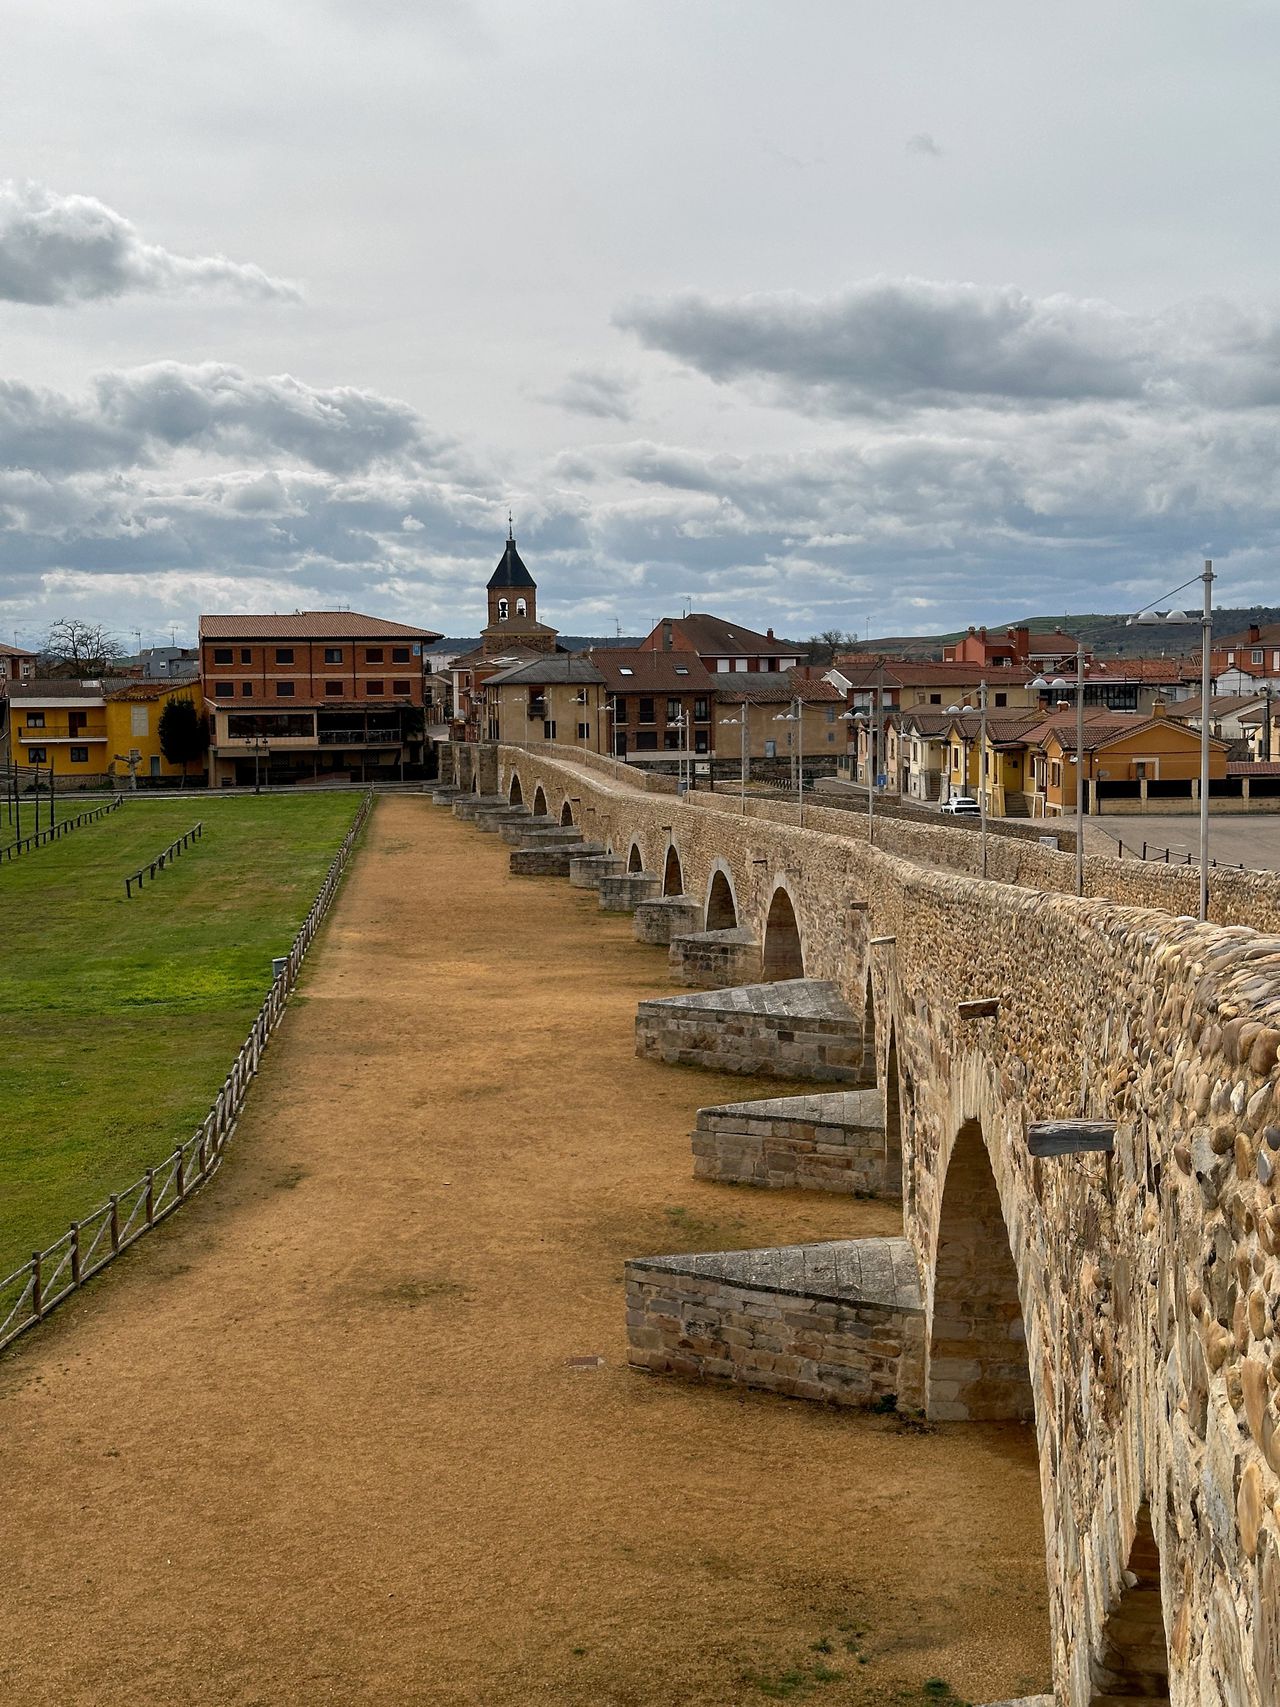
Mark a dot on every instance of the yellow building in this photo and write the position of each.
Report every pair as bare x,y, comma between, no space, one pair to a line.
62,724
1130,762
133,713
554,698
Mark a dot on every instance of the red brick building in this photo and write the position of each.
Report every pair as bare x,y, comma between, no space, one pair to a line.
312,696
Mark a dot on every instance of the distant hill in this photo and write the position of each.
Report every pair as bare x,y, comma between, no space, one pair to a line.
1105,636
575,643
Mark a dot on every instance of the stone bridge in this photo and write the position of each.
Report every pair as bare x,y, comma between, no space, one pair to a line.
1122,1298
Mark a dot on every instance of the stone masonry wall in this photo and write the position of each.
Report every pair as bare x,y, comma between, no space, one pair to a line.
1148,1281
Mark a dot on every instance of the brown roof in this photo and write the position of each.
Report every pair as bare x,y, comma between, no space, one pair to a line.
153,689
310,625
1220,704
912,672
15,651
62,687
713,637
1253,767
1102,728
776,687
638,670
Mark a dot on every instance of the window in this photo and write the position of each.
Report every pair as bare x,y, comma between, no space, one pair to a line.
647,741
36,756
646,711
374,687
700,711
284,654
402,687
831,716
399,654
333,654
702,742
625,670
771,749
246,690
77,721
671,740
222,654
79,755
139,722
620,711
246,654
584,731
935,699
224,690
682,669
1002,699
1255,657
522,608
549,731
373,654
504,610
35,720
333,689
722,664
284,690
673,710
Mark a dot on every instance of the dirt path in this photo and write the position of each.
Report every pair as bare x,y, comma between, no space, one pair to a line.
318,1440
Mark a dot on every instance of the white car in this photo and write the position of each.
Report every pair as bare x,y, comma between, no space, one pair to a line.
962,806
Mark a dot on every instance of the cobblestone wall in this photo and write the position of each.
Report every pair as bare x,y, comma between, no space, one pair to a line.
1149,1280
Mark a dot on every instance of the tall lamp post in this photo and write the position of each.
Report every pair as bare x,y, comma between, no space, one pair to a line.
796,717
728,723
1152,617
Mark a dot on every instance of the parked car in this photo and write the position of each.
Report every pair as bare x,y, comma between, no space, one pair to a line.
962,806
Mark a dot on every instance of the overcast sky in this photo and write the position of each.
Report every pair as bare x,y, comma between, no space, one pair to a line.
817,314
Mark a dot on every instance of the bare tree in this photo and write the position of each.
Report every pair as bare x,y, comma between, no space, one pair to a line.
823,647
76,648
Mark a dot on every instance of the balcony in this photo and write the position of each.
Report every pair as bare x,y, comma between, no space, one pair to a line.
360,738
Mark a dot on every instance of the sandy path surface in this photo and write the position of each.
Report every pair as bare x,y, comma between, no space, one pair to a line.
318,1439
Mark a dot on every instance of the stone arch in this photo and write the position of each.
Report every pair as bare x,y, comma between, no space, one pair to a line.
515,794
566,814
539,802
783,950
672,875
977,1368
522,607
635,859
1134,1661
722,903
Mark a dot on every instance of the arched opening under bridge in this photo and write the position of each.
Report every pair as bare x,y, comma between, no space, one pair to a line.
783,951
672,876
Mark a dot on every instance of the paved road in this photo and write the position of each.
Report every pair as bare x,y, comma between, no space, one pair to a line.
1252,841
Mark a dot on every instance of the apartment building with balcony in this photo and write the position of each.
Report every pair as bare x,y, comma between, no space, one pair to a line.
658,704
313,696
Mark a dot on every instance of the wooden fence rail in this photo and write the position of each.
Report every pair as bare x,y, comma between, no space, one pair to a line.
53,1274
171,853
38,840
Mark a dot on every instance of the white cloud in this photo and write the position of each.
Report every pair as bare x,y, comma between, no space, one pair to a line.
58,249
606,396
888,344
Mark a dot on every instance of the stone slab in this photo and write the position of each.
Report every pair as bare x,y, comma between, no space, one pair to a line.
827,1141
715,960
657,921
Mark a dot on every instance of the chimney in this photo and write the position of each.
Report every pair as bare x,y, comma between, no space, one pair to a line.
1159,708
982,632
1255,634
666,637
1063,705
972,629
768,634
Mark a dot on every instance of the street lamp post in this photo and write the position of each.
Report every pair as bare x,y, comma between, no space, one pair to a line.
728,723
1150,616
796,717
1059,683
982,769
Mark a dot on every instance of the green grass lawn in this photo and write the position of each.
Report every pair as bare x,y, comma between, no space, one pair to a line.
120,1018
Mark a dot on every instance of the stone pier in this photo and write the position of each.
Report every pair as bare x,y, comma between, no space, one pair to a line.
624,893
841,1322
799,1028
552,859
830,1141
715,960
659,920
586,870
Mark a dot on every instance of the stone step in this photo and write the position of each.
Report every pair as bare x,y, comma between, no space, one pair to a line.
715,960
469,806
554,835
657,921
492,822
841,1322
796,1028
829,1141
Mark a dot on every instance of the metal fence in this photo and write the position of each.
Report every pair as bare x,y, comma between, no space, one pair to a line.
40,837
171,853
53,1274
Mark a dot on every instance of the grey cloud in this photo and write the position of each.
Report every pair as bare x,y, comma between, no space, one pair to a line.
57,249
885,344
590,392
138,415
923,143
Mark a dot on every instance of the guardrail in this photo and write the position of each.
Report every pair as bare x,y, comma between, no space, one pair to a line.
40,837
171,853
53,1274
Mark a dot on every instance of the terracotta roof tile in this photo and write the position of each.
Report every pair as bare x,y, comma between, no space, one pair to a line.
310,625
